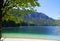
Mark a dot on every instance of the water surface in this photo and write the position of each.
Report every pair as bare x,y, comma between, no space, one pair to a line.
41,30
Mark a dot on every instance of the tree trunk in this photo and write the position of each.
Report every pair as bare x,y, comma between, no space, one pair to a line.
1,5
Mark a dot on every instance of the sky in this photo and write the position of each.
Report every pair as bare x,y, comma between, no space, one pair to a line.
49,7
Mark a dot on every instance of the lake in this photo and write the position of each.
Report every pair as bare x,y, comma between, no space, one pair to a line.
45,30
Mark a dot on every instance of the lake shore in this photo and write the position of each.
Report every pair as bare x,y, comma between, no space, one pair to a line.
23,39
29,36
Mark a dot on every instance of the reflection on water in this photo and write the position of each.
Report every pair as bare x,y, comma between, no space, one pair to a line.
58,30
49,30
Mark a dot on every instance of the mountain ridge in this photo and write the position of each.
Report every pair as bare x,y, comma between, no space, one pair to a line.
38,18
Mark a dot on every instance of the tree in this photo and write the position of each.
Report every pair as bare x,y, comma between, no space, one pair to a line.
7,6
24,5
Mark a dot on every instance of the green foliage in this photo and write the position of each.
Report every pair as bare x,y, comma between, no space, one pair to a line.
57,22
25,5
41,22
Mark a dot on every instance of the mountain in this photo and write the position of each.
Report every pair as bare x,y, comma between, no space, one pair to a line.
38,19
57,22
32,19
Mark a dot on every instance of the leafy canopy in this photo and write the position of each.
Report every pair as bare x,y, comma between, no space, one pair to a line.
24,5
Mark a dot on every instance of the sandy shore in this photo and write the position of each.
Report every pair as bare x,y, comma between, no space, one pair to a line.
30,36
23,39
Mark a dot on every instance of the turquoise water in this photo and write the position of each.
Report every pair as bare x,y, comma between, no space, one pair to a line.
40,30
